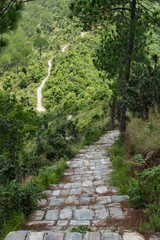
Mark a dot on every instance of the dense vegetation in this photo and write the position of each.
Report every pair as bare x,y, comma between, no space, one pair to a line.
94,73
137,168
31,142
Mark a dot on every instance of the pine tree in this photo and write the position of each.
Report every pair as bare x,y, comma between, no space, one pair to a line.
10,13
128,22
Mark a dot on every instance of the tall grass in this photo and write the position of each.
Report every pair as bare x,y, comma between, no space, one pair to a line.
144,136
118,155
50,174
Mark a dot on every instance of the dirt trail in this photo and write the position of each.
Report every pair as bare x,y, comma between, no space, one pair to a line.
40,108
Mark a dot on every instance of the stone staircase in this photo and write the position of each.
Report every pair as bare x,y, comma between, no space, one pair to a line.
83,198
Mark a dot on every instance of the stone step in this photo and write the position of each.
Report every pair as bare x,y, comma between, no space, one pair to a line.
83,198
99,235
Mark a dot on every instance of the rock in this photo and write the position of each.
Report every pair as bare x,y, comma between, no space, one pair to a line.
155,237
133,236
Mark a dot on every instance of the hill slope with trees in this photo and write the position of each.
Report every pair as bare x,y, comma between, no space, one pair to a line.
105,65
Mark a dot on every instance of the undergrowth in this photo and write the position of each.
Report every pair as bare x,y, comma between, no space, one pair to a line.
118,156
50,174
18,199
138,174
144,135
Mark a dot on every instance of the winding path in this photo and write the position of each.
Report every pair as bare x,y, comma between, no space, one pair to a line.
40,108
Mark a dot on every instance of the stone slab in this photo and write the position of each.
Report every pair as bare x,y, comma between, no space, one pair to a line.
66,214
116,213
37,215
101,214
19,235
102,189
94,236
120,198
87,184
77,191
83,214
73,236
86,236
80,223
35,236
104,199
62,223
108,235
133,236
54,236
56,192
56,202
65,192
52,215
72,199
47,224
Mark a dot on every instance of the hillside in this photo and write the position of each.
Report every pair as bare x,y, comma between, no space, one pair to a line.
100,72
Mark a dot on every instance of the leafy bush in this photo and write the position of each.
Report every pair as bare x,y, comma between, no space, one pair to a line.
139,159
15,197
50,175
153,213
144,190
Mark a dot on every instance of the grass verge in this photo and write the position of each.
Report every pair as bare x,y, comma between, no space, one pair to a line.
138,179
50,174
120,175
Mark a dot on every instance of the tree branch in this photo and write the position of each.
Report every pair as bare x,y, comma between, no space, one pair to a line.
7,8
10,4
148,10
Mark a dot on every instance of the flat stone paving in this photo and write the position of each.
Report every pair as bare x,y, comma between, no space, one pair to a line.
99,235
83,198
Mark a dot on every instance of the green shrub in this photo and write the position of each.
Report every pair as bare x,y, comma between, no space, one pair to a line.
81,229
15,197
153,213
50,175
144,190
139,159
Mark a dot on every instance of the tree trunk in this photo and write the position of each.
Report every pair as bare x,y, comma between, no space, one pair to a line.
112,116
128,62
